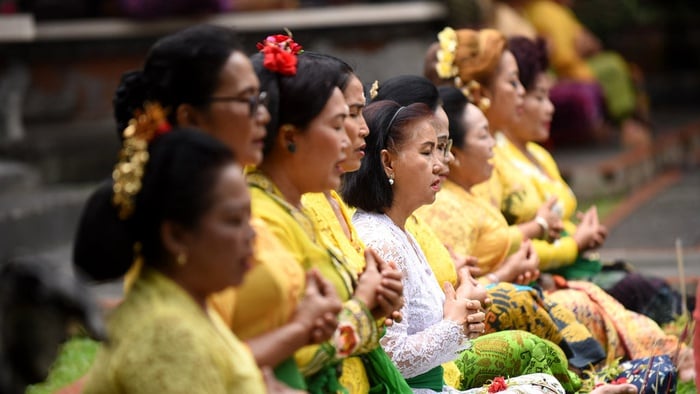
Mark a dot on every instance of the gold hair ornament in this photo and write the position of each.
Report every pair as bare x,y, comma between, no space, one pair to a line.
374,90
146,125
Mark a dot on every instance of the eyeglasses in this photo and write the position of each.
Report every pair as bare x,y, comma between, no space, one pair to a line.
254,102
445,149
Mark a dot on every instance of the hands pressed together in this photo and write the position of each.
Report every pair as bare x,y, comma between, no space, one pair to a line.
380,288
464,304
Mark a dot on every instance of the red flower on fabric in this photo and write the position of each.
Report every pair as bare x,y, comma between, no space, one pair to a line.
498,384
280,53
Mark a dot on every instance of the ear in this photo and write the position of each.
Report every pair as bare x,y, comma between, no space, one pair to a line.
187,115
174,237
387,162
287,136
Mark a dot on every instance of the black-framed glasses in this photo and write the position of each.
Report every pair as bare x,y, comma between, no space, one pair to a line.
254,102
445,149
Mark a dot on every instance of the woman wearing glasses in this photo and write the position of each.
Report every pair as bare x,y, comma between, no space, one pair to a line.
201,78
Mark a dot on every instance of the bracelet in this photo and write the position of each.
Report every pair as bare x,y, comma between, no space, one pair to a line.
493,278
544,226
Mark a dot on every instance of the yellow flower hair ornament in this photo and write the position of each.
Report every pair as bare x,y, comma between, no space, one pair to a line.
445,66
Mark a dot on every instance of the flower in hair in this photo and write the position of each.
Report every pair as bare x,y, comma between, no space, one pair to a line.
445,66
144,127
280,53
374,89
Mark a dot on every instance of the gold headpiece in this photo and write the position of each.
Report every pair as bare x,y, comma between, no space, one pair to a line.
142,129
374,90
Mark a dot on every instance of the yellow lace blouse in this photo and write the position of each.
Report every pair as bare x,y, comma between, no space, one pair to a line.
470,226
526,187
161,341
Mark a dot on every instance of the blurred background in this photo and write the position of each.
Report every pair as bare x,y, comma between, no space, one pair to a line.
60,61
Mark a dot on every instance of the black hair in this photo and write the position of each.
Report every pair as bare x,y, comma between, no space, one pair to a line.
299,98
455,104
368,188
409,89
531,56
183,67
181,171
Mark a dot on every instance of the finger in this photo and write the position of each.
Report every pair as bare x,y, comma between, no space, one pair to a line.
475,271
370,260
550,202
449,291
312,282
397,316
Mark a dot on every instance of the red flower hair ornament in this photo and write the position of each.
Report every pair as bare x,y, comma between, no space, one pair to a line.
280,53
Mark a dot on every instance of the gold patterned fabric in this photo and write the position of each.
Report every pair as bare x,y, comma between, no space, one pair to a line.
161,341
622,332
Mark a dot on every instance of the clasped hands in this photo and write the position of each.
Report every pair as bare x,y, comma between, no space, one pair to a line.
464,304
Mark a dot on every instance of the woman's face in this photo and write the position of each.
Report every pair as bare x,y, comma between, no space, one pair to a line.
442,128
506,94
475,155
537,112
231,121
417,165
355,125
221,243
322,147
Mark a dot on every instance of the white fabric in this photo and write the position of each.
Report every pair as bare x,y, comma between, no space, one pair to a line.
423,340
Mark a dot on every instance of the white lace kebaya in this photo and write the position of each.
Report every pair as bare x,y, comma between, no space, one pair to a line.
424,339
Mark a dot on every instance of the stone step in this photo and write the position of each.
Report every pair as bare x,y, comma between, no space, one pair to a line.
40,218
15,176
611,172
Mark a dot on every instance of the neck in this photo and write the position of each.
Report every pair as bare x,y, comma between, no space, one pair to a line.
517,142
457,177
180,277
282,179
399,213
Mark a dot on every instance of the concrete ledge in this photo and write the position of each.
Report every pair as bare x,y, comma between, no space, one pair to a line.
297,19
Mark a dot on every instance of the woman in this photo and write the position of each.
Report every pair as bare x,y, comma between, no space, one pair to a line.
184,211
541,178
399,174
511,307
303,152
331,217
201,78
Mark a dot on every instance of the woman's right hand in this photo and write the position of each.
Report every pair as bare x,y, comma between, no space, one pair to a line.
318,309
461,310
522,267
590,234
550,211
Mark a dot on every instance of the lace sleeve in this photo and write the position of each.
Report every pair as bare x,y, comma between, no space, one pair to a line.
423,340
417,352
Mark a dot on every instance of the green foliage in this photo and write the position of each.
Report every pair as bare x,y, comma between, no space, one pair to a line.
73,361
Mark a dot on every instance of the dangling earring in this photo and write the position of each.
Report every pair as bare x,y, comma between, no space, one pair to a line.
181,259
484,104
291,147
391,180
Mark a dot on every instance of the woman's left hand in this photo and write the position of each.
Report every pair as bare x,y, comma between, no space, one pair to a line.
390,291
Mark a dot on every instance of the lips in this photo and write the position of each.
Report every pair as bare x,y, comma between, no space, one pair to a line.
436,184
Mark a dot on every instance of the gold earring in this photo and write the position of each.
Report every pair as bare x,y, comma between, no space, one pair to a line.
181,259
484,104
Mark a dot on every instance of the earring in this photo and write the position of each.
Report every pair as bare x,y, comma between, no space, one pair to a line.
291,147
181,259
391,180
484,104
